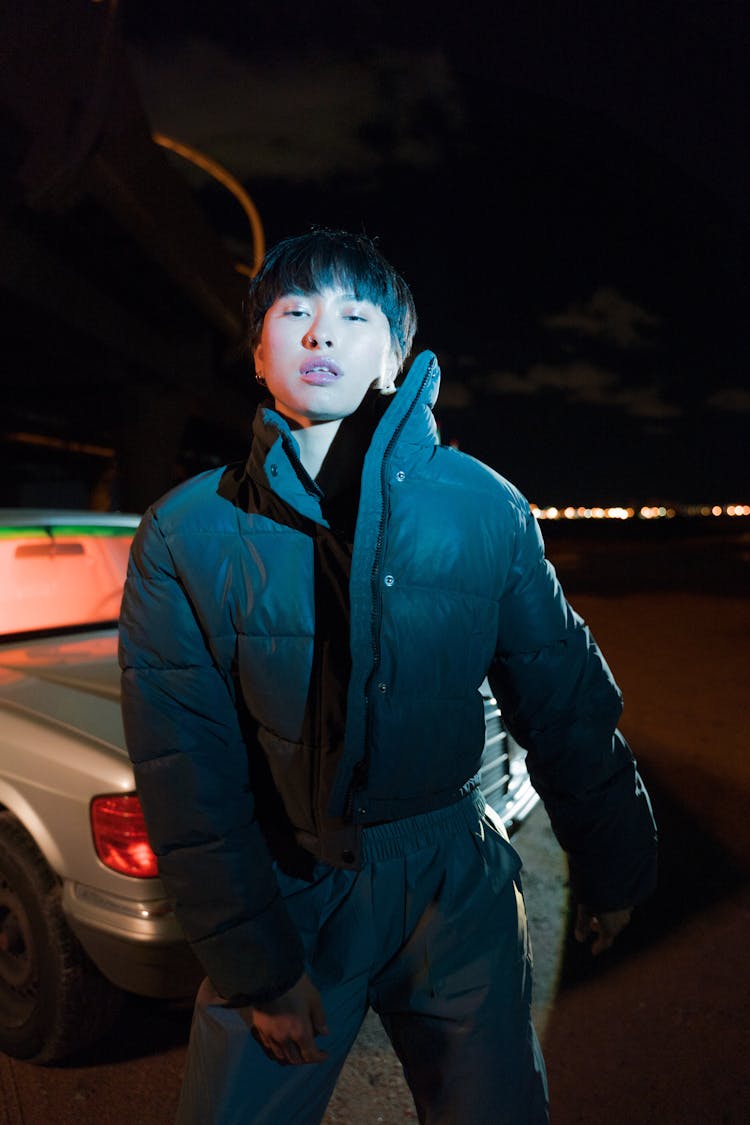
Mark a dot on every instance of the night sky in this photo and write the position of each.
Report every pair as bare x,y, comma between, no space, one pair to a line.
567,200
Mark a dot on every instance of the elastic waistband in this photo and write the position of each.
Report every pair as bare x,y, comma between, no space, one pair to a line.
398,838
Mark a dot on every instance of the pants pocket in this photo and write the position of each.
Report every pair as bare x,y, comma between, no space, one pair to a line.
500,859
475,923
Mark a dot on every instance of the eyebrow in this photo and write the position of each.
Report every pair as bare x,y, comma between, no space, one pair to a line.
316,293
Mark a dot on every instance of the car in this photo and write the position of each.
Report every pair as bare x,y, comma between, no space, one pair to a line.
84,918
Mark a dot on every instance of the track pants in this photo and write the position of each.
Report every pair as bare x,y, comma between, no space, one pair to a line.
431,933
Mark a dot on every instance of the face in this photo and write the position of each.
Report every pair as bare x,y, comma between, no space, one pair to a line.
319,354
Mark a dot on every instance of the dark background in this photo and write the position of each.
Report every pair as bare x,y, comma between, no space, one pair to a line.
565,192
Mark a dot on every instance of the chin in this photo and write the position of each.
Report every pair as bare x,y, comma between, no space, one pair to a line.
313,419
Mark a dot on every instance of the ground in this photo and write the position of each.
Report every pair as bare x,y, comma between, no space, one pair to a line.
654,1033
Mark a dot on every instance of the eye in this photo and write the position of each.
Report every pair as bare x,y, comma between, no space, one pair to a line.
353,316
295,312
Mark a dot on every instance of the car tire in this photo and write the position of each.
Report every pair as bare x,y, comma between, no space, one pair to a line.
53,999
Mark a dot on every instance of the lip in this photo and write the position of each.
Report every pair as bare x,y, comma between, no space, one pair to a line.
320,372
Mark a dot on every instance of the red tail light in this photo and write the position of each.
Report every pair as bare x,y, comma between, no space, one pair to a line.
120,836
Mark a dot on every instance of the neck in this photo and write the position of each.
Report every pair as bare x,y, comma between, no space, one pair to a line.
314,443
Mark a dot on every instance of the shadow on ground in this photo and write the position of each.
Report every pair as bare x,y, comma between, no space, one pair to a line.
144,1028
695,873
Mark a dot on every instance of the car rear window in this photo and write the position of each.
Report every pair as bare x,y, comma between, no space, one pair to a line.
61,576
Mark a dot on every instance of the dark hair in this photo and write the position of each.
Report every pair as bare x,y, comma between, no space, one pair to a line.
309,263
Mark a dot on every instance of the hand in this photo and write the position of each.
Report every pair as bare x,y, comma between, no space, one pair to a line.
603,927
286,1027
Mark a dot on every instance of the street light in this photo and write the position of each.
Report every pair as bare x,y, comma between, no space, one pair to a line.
213,168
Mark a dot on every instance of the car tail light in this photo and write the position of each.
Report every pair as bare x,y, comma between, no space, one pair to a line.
120,836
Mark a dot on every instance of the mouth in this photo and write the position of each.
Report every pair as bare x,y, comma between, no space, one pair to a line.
320,372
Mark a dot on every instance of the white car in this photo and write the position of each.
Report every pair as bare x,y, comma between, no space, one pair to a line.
83,915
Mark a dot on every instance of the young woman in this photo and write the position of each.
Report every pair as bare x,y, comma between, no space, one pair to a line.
303,640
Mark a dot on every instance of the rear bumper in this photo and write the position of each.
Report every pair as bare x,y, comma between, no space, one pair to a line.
138,946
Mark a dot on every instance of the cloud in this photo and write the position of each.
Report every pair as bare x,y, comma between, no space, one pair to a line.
582,381
303,117
586,383
735,399
455,395
607,316
646,402
508,383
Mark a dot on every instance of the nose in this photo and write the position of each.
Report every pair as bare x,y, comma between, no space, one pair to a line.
319,335
317,339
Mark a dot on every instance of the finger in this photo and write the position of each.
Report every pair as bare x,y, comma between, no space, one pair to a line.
268,1048
614,923
276,1053
610,927
310,1052
602,943
591,926
314,1055
292,1053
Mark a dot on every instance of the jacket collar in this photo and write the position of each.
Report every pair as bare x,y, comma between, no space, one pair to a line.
409,424
406,426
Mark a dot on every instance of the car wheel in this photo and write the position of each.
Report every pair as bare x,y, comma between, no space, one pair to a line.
53,1000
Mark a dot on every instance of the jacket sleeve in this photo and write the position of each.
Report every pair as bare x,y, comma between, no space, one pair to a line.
184,738
561,703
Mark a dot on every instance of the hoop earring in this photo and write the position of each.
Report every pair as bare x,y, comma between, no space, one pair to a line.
259,379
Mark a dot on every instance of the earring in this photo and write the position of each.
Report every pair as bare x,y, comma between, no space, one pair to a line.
259,379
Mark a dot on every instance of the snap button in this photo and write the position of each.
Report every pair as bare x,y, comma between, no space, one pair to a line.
401,475
347,855
274,470
389,579
383,688
361,811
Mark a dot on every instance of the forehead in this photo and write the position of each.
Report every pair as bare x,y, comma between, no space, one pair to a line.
332,293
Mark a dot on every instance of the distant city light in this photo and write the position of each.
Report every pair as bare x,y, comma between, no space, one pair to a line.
645,512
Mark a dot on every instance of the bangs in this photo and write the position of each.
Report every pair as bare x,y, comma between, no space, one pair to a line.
326,259
334,267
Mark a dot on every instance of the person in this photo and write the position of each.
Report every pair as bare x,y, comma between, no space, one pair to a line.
303,638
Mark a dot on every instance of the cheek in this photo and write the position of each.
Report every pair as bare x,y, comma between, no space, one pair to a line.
274,339
380,348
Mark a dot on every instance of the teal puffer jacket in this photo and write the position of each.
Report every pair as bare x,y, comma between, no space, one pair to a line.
448,583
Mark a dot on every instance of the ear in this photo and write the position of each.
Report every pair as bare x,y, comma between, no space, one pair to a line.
386,384
258,360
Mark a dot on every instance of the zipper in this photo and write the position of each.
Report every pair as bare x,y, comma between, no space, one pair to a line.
374,584
361,770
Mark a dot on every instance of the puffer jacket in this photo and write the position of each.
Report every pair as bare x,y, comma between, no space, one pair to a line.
448,583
